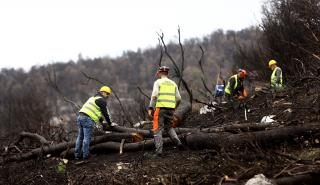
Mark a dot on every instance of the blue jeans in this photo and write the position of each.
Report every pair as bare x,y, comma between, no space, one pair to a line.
85,127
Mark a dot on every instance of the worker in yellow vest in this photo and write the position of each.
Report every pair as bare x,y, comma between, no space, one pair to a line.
234,88
93,111
276,77
165,99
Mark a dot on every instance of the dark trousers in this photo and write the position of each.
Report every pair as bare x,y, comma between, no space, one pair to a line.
162,121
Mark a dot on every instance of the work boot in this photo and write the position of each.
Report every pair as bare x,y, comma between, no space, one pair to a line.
90,156
154,155
77,157
182,147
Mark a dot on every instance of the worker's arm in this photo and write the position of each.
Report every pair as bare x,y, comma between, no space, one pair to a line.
153,100
232,81
278,75
102,104
154,95
240,90
178,97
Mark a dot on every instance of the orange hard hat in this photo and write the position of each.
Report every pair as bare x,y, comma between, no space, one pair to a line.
243,73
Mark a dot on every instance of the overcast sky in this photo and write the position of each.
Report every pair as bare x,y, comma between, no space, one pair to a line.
36,32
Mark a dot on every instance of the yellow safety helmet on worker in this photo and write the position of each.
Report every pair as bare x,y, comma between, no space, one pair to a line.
272,62
105,89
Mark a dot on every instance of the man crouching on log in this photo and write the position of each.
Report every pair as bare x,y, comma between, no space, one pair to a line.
91,113
165,99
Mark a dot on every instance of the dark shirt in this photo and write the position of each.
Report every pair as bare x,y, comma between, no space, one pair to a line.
102,104
239,87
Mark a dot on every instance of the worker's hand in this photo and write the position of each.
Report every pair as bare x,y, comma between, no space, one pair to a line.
113,124
105,126
150,113
240,98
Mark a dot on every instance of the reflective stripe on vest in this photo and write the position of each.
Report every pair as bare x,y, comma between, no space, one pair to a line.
274,77
228,89
167,94
92,109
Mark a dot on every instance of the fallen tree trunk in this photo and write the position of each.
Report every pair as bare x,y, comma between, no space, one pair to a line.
245,127
146,133
58,148
197,140
234,128
312,178
115,146
276,135
111,147
32,136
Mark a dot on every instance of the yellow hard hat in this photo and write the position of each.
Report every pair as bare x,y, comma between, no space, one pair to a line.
272,62
105,89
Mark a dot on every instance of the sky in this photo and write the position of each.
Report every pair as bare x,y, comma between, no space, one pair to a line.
38,32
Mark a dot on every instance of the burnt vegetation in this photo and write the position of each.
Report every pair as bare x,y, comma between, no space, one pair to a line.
38,109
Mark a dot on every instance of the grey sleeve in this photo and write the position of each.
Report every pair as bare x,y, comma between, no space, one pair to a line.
154,95
278,74
178,96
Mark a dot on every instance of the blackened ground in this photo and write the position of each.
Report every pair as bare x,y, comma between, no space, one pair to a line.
296,107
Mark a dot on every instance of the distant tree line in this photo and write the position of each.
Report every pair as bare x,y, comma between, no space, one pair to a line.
289,33
28,100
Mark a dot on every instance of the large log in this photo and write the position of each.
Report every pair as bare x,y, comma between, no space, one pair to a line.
276,135
234,128
32,136
312,178
58,148
111,147
115,146
198,140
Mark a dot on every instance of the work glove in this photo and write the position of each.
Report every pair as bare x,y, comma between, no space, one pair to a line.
107,126
99,126
150,113
241,98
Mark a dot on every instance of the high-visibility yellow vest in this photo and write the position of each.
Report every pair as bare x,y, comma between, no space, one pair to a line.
167,94
274,78
91,109
228,89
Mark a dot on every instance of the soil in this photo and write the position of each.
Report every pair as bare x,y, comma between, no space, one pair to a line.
294,107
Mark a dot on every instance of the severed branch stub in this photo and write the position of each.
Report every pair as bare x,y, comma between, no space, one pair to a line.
121,146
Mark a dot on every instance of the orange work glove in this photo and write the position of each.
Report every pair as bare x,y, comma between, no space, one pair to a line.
240,98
